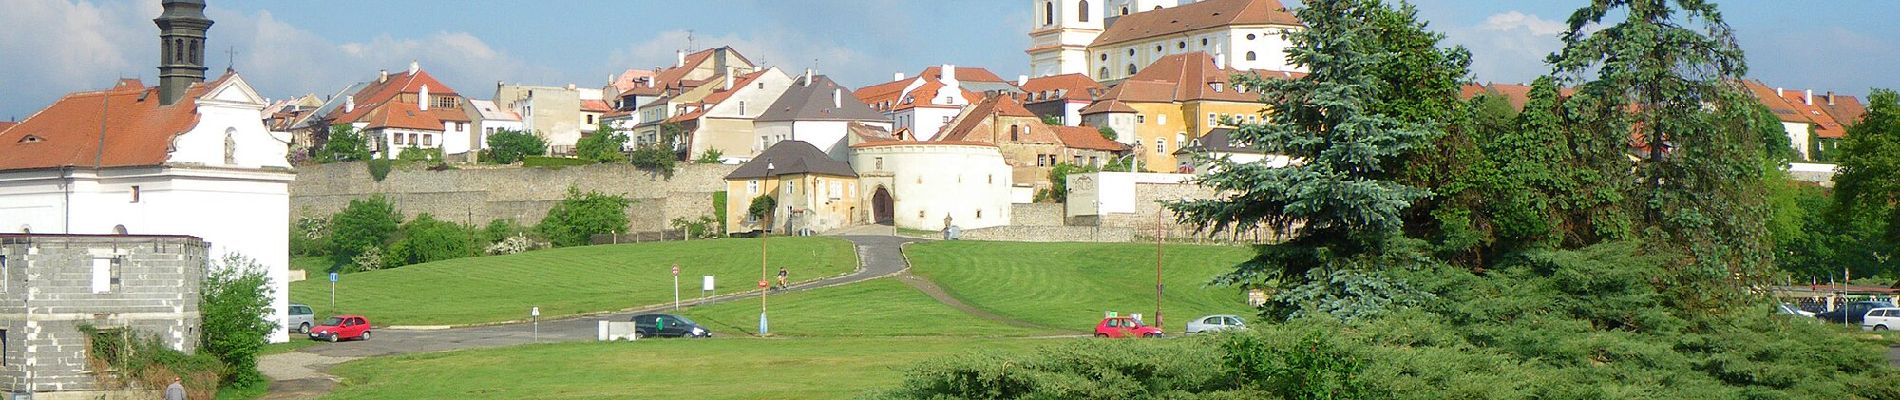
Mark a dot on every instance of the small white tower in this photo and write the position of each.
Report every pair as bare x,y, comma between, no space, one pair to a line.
1060,35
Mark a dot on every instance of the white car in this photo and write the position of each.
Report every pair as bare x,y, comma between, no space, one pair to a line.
1881,319
1214,323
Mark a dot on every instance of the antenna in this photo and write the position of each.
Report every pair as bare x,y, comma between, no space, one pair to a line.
230,58
689,40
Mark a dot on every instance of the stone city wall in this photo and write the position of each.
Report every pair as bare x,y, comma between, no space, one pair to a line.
1036,214
1050,234
478,194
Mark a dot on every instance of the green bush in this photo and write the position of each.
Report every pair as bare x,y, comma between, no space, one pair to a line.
364,224
379,168
658,158
579,216
344,143
310,237
235,292
508,146
710,156
719,210
761,207
605,145
554,162
141,358
419,154
426,239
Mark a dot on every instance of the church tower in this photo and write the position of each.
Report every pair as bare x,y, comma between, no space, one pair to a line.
181,36
1063,29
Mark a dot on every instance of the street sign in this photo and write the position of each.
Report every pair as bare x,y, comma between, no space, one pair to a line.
676,270
762,284
332,277
534,312
708,285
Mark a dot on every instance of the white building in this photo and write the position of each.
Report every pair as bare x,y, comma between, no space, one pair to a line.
1074,37
489,119
135,159
923,185
920,106
815,110
408,110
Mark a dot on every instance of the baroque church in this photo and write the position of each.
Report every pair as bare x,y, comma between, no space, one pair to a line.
1110,40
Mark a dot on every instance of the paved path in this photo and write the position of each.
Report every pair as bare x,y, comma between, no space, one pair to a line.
298,374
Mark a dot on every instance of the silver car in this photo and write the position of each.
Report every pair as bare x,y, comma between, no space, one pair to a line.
1214,323
301,318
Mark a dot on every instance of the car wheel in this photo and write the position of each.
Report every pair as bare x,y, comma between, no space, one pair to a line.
1878,328
1101,335
305,328
1147,335
333,338
365,335
640,335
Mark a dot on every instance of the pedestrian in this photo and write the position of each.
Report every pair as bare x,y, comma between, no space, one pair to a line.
176,391
781,277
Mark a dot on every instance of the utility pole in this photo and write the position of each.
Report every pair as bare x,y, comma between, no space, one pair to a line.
1161,235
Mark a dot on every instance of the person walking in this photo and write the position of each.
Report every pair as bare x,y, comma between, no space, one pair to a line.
176,391
781,277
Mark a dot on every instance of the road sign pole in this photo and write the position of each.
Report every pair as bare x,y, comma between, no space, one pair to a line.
333,277
676,287
535,314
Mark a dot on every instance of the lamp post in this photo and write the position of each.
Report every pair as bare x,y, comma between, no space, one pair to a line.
1161,234
763,261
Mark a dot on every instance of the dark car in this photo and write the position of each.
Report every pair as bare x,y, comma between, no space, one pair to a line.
1852,313
667,325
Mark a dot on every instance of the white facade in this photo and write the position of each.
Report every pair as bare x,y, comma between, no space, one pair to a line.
926,122
927,182
1113,192
226,181
1798,138
1063,29
1238,47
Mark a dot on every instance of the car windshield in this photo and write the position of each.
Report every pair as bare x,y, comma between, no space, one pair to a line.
333,321
684,320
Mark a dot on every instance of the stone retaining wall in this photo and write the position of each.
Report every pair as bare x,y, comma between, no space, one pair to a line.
483,193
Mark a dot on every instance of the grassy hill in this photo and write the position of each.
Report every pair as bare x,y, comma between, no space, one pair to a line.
564,281
1072,284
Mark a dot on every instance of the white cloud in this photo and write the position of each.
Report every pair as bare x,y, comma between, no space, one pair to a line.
1509,46
53,47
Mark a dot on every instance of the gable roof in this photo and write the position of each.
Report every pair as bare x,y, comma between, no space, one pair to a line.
599,106
372,100
972,82
790,157
118,127
811,101
1180,78
1792,106
1217,140
1086,137
1193,17
490,112
976,124
675,77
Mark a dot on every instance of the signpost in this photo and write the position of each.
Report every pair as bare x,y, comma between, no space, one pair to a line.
535,314
333,277
706,288
676,286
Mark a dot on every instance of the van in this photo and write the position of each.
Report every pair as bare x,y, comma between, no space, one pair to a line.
300,318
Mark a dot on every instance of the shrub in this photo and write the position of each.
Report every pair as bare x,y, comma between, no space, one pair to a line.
310,236
553,162
418,154
508,146
499,229
234,294
658,158
700,228
344,144
761,207
579,216
426,239
518,243
365,223
710,156
605,145
140,357
370,259
1059,180
379,168
719,210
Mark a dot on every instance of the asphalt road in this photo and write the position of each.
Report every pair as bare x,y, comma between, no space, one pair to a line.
878,256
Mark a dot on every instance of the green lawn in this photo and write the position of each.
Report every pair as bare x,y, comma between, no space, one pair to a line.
565,281
1072,284
879,307
728,368
317,267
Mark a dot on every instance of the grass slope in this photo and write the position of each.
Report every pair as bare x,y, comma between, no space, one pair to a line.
879,307
734,368
565,281
1070,285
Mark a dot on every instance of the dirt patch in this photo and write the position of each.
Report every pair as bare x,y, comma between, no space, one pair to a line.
298,375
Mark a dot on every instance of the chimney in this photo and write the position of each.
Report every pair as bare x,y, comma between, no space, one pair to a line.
948,74
1830,97
728,82
897,77
719,58
422,98
1022,80
837,98
1809,98
570,86
349,104
1220,62
382,75
414,67
681,56
1777,92
808,77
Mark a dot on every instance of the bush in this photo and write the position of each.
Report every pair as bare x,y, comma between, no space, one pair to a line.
345,143
141,358
710,156
508,146
701,228
658,158
379,168
310,236
554,162
426,239
761,207
579,216
1059,181
418,154
364,224
234,294
605,145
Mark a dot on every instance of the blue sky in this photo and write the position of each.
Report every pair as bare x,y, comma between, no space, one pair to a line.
288,48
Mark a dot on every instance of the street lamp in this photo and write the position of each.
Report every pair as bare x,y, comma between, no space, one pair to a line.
763,261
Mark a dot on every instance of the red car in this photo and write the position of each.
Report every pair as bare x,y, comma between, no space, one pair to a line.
1120,327
341,327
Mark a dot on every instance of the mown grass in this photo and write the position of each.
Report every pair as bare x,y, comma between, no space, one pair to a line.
721,368
1071,285
565,281
879,307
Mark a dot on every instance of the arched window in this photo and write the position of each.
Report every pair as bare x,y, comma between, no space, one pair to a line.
1103,74
1131,69
178,50
1048,13
1104,56
1250,56
1124,10
1082,11
118,229
195,58
1014,133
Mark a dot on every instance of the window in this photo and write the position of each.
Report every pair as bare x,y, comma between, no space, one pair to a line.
1250,36
1131,69
590,120
979,214
1131,52
1124,10
1161,146
195,58
444,102
398,138
1014,133
741,108
1078,160
1102,74
463,126
1180,44
1161,119
1251,56
1180,140
1203,42
178,50
105,274
1157,48
836,190
1048,13
412,139
1211,120
1082,11
1041,161
135,193
428,139
761,85
1141,119
920,213
1104,56
752,187
880,163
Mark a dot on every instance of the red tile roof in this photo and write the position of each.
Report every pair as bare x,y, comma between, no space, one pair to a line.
599,106
379,95
1180,78
137,130
1072,87
976,123
1792,106
674,77
1193,17
1086,137
6,124
890,96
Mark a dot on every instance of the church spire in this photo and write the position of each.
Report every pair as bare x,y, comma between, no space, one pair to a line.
181,34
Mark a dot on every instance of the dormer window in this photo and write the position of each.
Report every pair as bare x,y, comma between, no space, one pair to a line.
1218,87
31,139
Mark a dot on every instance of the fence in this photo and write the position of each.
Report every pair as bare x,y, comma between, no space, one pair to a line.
639,237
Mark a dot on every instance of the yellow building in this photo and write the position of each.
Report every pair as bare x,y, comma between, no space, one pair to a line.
1176,100
812,192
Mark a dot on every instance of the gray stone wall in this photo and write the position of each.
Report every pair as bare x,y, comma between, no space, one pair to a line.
47,293
1036,214
1051,234
478,194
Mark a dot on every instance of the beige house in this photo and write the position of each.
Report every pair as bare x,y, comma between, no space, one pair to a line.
560,114
813,193
671,91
